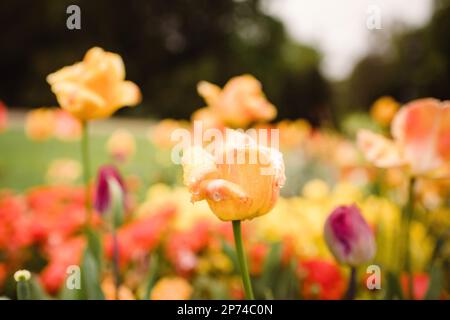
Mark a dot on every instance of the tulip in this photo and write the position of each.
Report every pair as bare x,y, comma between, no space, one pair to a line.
349,237
240,181
40,124
239,103
234,189
95,87
421,140
110,197
121,145
420,146
22,278
383,110
103,194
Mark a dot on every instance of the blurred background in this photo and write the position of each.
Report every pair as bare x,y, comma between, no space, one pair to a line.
317,60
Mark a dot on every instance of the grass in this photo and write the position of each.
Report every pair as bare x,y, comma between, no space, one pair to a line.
24,163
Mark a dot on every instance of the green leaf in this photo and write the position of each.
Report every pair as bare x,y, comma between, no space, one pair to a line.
152,275
436,283
90,277
394,289
36,290
95,246
272,265
231,253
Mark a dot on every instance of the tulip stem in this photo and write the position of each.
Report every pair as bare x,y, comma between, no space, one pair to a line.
407,216
351,289
116,267
242,260
86,169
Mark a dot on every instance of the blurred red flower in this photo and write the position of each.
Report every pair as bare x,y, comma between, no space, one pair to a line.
140,236
321,279
61,256
420,285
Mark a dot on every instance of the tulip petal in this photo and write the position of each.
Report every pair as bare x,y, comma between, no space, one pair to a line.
198,165
379,150
208,91
128,94
420,128
77,100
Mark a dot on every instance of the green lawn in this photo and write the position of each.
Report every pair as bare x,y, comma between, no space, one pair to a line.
23,163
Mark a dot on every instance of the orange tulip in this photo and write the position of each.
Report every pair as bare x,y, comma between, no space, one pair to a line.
40,124
241,181
121,145
95,87
383,110
421,140
239,103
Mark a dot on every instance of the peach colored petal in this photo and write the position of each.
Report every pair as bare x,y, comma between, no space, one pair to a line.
379,150
208,91
198,165
416,128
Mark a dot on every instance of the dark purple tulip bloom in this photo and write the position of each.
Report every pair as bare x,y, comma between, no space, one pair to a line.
102,193
349,237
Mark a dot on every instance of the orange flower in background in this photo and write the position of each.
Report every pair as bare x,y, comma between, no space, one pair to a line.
239,103
293,133
40,124
160,134
67,128
63,171
3,116
321,279
241,181
421,140
109,290
95,87
121,145
171,288
208,117
383,110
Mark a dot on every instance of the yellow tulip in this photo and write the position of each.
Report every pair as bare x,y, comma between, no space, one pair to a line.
95,87
241,181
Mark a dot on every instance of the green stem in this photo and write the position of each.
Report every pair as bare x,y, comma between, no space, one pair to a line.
86,170
351,288
116,267
242,260
23,290
407,216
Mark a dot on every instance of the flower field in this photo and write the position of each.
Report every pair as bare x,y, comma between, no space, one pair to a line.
98,208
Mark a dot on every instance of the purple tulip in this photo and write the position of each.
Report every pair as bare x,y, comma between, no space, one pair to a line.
349,237
102,193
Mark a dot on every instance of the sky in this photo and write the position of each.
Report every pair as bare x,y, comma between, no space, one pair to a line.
339,28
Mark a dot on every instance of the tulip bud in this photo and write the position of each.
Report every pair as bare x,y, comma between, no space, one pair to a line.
22,278
107,175
349,237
